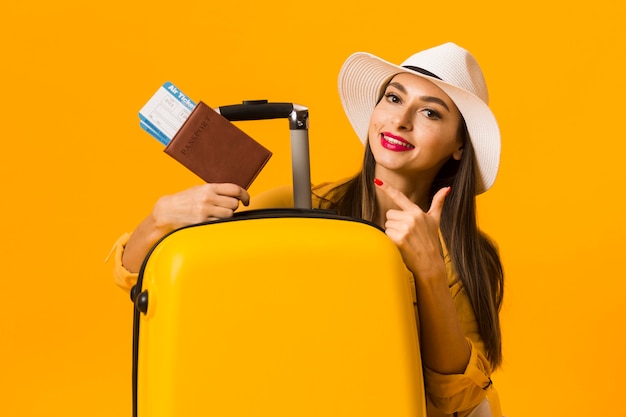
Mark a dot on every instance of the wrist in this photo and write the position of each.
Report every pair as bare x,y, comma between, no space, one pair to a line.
433,274
160,220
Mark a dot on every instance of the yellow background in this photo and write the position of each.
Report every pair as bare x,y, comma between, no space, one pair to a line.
77,171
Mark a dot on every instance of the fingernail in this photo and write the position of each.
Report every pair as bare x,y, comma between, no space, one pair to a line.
449,189
378,182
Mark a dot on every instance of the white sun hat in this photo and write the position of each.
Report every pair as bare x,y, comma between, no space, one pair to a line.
451,68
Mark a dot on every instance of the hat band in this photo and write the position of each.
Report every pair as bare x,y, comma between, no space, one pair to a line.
422,71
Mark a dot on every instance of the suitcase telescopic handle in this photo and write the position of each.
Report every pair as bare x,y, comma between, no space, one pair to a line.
298,116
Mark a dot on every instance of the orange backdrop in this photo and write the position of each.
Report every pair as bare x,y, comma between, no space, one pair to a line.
77,171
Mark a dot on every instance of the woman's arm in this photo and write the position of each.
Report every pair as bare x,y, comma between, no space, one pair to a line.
416,233
194,205
444,347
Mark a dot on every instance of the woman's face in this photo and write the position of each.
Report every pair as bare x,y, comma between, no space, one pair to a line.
414,129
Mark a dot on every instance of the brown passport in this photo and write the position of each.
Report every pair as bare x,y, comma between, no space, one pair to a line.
216,150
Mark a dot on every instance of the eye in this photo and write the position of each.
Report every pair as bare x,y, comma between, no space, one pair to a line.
392,98
431,114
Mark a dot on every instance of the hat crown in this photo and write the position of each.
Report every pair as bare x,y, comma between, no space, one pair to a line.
453,65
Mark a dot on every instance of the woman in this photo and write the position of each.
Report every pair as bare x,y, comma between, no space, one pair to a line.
429,137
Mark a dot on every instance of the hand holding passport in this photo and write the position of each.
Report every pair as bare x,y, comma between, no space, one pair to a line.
201,139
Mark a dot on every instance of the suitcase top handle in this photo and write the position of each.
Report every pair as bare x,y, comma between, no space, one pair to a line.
298,116
261,109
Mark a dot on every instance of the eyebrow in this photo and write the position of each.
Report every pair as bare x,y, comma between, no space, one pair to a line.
428,99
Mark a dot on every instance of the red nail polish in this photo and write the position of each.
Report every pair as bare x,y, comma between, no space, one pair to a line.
449,189
378,182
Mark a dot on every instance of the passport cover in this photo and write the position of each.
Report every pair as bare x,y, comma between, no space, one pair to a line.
216,150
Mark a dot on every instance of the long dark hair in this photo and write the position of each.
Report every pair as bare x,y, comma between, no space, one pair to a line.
474,256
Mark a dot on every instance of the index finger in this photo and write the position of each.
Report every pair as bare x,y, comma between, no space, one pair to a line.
396,196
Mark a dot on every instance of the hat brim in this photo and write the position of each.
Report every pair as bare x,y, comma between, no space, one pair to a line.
361,80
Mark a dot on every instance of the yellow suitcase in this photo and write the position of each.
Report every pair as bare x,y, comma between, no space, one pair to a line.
276,313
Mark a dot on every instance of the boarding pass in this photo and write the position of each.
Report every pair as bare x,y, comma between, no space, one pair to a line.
164,114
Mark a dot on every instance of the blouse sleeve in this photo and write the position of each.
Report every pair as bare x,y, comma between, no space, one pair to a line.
458,392
122,276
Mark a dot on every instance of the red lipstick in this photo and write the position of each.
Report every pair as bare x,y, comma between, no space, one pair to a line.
394,143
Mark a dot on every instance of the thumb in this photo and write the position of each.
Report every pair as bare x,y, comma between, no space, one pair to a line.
437,204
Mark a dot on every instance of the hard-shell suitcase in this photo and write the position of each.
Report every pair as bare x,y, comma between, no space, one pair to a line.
276,312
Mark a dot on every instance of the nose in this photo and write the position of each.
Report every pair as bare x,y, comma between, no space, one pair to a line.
402,119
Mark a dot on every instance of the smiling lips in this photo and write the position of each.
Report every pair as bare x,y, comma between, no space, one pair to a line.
394,143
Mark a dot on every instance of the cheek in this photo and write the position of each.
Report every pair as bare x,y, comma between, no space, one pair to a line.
374,127
446,137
